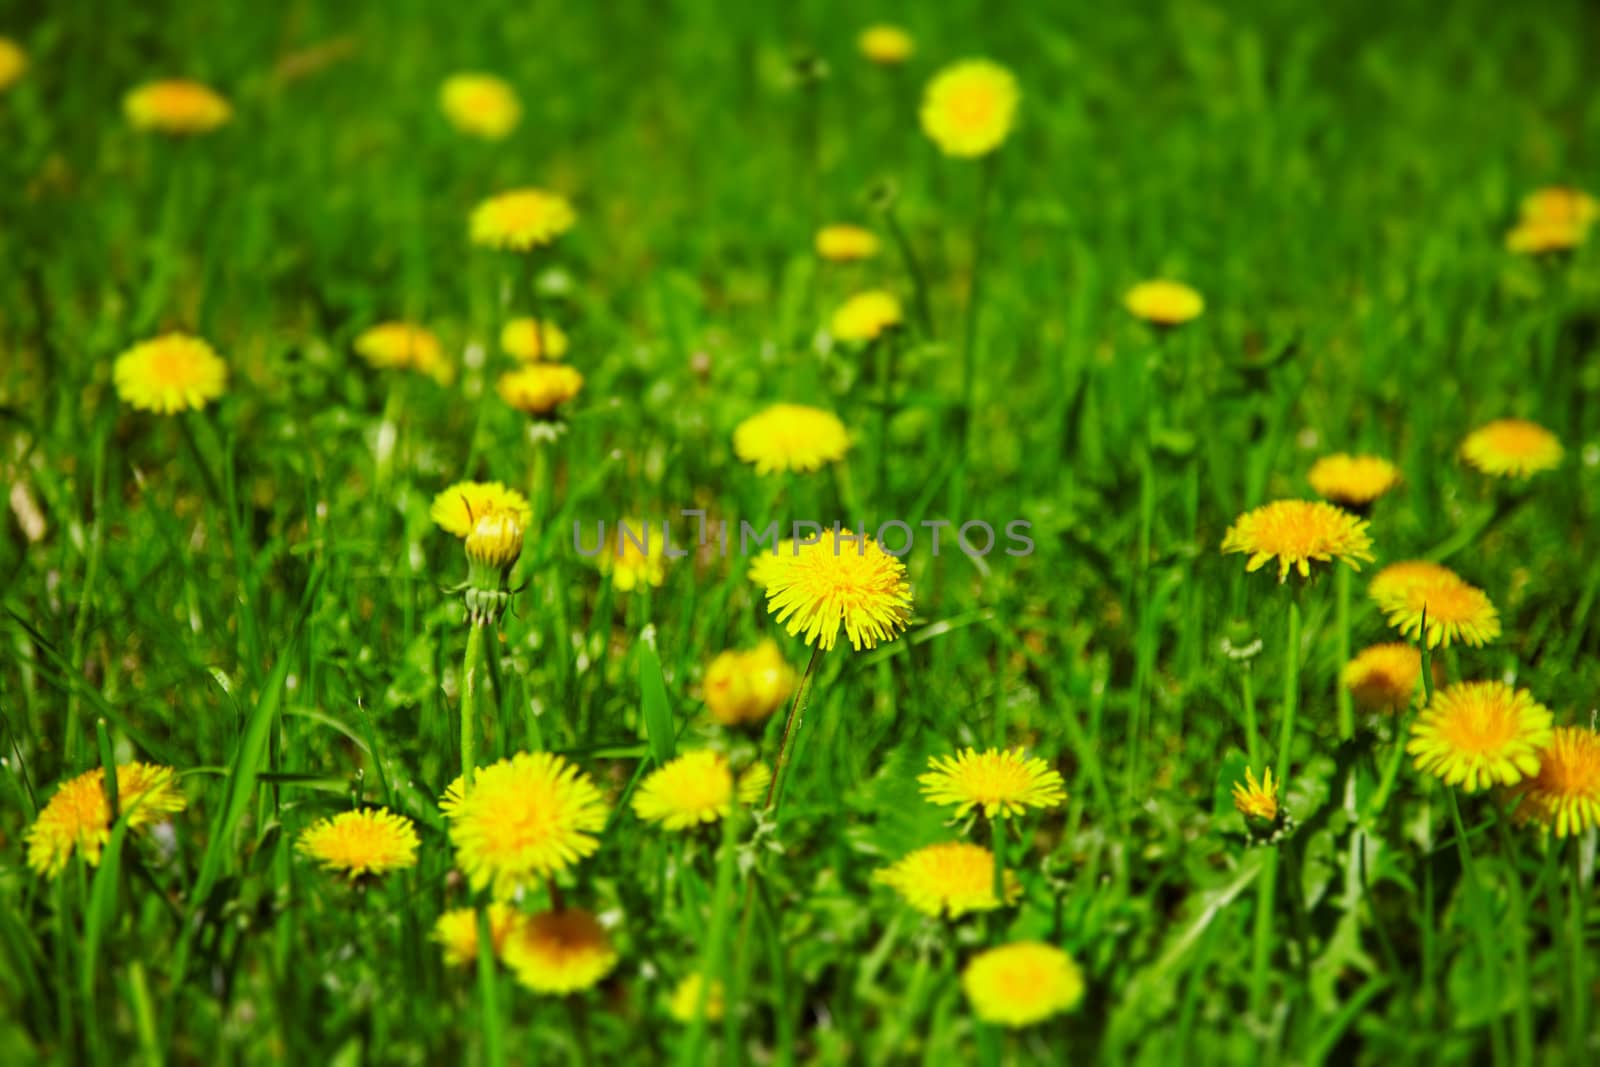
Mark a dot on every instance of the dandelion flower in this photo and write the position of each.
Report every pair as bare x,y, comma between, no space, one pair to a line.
695,788
635,557
521,220
404,346
1512,448
1004,783
1022,983
1256,799
1296,533
1164,303
684,1004
1384,676
1392,584
843,243
176,106
865,316
524,818
169,374
79,817
457,509
1353,482
790,437
950,879
748,686
457,932
538,389
1455,611
13,63
560,952
1478,734
1540,237
1560,203
764,565
531,340
355,843
480,105
887,46
1564,796
842,580
969,107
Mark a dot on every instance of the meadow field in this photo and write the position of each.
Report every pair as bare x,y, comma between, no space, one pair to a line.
799,533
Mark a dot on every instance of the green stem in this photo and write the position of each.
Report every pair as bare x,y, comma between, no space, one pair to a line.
1482,920
91,576
1519,945
797,714
1291,691
1252,731
1346,704
883,348
469,703
1261,948
919,285
969,347
1577,1033
494,1049
997,837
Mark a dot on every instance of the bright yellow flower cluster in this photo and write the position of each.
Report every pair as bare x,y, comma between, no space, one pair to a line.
841,581
405,346
176,107
844,243
1297,533
865,316
169,374
1162,302
969,108
13,63
790,437
370,841
748,686
1479,734
1553,219
480,105
78,816
1003,783
522,220
1512,448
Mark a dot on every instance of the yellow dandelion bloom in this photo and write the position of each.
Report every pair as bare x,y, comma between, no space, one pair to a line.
1022,983
1004,783
1353,481
684,1004
176,106
369,841
1296,533
951,879
1540,237
695,788
842,580
1564,797
748,686
496,539
843,243
521,220
531,340
969,108
78,816
1384,676
480,105
790,437
1164,303
560,952
865,316
1455,612
1478,734
887,46
13,63
524,818
1512,448
538,389
1392,584
1560,203
1256,799
457,509
457,932
404,346
169,374
635,557
764,565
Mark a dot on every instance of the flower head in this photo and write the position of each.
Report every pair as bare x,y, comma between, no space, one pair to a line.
843,243
559,952
538,389
950,879
748,686
521,220
865,316
683,793
457,509
1542,237
1022,983
1256,799
969,107
404,346
1560,203
171,373
493,547
370,841
531,340
1392,584
1564,797
176,106
1384,676
480,105
78,816
524,818
841,580
1297,532
684,1004
1454,610
1512,448
887,46
457,932
1478,734
1353,481
1004,783
790,437
13,63
635,557
1164,303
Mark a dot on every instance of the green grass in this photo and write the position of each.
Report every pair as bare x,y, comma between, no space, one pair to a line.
252,595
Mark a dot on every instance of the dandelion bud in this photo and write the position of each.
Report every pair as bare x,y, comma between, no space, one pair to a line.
493,547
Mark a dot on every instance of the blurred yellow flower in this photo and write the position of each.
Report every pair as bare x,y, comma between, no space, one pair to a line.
1296,533
840,581
480,105
1512,448
1256,799
635,557
1564,797
531,340
886,45
790,437
457,509
1353,481
844,243
969,107
404,346
13,63
370,841
78,816
538,389
1164,303
1560,203
559,952
1543,236
865,316
684,1004
1022,983
169,374
176,106
748,686
1384,676
695,788
1479,734
496,539
950,879
1004,783
457,932
1455,611
1391,585
521,220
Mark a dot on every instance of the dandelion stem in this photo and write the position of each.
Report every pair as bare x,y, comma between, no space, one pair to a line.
919,285
493,1045
1261,949
469,703
1347,719
1519,945
883,348
1482,919
1291,691
1252,731
969,346
797,712
997,837
1577,1033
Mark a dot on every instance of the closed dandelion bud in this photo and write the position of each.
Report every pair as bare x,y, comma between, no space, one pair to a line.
493,547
